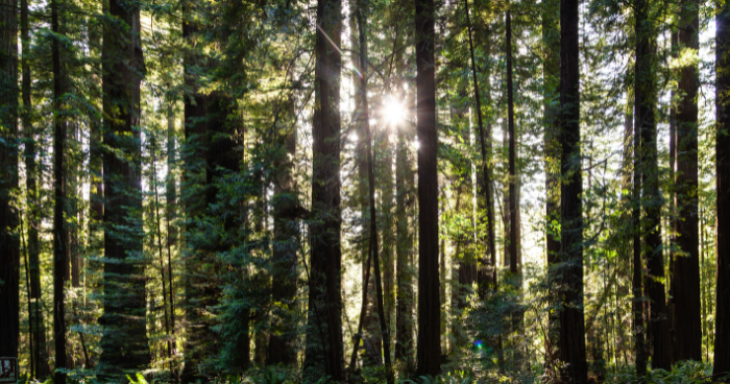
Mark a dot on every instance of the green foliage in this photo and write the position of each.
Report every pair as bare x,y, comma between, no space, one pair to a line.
686,372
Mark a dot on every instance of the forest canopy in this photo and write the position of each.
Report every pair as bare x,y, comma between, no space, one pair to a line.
365,191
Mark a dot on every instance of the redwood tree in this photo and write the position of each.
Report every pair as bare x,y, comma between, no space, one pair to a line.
124,341
722,314
651,200
9,240
324,350
429,312
572,327
686,279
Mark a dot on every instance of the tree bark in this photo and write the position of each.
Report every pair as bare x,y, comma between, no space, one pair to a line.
404,244
60,239
645,94
511,154
35,320
551,152
486,273
687,265
9,219
404,274
324,322
124,341
721,365
638,301
572,326
429,311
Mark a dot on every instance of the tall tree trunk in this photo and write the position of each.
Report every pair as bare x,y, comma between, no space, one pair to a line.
467,263
324,328
35,320
572,325
722,156
637,303
124,341
672,220
158,233
60,240
74,163
171,212
429,310
371,337
512,177
505,196
645,94
404,242
404,277
486,273
687,268
551,111
373,244
9,219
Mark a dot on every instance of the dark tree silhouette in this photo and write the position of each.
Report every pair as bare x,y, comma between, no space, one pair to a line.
572,327
722,314
429,313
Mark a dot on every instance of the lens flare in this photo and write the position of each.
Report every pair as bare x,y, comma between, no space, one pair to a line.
393,110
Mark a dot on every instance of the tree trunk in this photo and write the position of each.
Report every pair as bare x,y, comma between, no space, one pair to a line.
171,213
324,328
572,326
512,177
9,219
35,320
672,221
551,110
373,244
687,265
722,311
637,303
404,277
124,341
60,240
486,273
429,310
646,127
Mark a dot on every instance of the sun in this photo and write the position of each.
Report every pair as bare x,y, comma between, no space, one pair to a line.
393,110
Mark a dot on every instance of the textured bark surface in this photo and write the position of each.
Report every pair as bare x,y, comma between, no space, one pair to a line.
722,313
9,240
686,279
124,342
551,110
651,201
572,327
60,239
429,312
324,350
